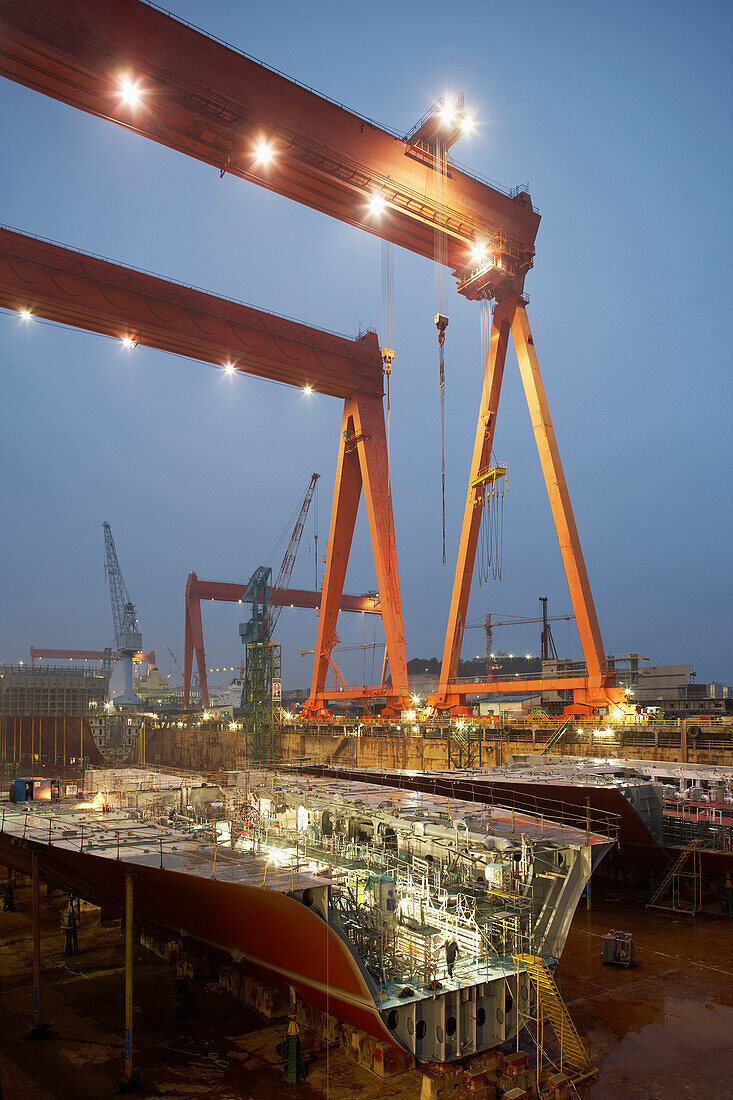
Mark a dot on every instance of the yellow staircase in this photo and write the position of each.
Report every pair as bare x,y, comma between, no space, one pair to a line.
551,1009
676,874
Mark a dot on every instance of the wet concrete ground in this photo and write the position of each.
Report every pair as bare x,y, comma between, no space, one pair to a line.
662,1030
223,1050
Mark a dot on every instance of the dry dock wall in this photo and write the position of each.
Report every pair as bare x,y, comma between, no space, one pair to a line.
221,749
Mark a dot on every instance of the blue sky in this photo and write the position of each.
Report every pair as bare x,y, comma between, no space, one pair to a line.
617,115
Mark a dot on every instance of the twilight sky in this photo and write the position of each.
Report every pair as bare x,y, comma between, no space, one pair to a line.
617,115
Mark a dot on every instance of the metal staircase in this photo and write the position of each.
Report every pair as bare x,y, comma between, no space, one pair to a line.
559,732
677,875
551,1009
343,744
464,750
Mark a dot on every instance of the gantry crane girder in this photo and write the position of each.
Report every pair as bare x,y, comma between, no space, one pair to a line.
39,654
203,98
91,293
74,288
225,592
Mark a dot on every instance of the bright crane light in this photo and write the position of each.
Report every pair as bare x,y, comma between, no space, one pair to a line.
307,390
479,250
467,124
25,314
263,152
130,91
128,342
376,205
229,368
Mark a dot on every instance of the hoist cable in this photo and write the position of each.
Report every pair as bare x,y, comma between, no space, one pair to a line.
387,256
442,447
440,257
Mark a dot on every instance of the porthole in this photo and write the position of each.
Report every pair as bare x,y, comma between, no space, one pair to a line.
508,1002
439,1033
481,1017
450,1025
392,1019
524,993
420,1029
499,1016
307,898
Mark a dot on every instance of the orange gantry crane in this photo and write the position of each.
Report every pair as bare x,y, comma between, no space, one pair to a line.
225,592
137,66
94,294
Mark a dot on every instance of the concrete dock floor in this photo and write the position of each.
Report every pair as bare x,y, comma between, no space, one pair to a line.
659,1030
663,1029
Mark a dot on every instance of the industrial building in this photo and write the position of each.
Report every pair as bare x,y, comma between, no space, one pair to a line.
50,691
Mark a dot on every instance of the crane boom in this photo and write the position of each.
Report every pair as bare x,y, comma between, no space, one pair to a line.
124,618
288,562
128,638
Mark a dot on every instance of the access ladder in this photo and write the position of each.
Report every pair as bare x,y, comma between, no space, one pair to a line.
574,1059
674,878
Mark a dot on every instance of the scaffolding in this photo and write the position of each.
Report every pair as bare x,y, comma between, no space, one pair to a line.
680,891
261,701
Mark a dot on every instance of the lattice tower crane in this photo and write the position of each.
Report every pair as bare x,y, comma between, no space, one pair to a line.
128,638
269,623
547,643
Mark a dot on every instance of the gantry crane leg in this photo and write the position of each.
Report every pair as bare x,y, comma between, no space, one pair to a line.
559,497
493,375
362,463
194,644
511,316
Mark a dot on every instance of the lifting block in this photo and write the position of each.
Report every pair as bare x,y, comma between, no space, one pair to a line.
516,1094
558,1086
389,1060
516,1063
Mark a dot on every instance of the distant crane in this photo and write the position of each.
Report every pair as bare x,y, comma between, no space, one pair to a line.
286,569
265,615
261,626
337,673
175,661
547,643
128,639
